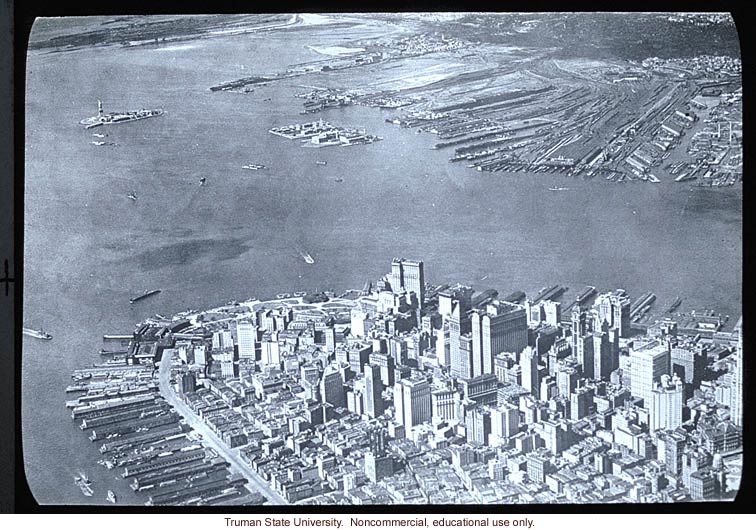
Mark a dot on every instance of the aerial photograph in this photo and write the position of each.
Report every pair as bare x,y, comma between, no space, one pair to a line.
383,259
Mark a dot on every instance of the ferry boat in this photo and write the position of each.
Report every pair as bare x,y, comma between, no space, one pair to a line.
144,295
118,117
37,334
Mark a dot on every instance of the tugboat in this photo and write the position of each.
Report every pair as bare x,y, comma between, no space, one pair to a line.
37,334
111,497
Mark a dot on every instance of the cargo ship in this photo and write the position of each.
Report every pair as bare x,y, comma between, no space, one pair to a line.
37,334
118,117
144,295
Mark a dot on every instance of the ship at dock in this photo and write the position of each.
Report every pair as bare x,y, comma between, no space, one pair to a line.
85,485
103,118
37,334
144,295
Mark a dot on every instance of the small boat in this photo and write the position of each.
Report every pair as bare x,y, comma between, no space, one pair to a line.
111,497
338,180
37,334
98,135
556,188
144,295
300,293
253,167
308,259
281,296
132,196
98,143
202,181
321,162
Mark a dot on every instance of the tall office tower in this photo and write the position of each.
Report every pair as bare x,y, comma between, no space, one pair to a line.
200,354
459,328
478,426
581,402
614,309
579,326
602,356
670,447
444,404
501,327
408,275
552,312
567,377
647,365
736,394
378,465
386,364
332,387
330,338
505,422
443,345
558,351
584,355
666,405
529,365
246,335
461,294
374,406
412,402
222,340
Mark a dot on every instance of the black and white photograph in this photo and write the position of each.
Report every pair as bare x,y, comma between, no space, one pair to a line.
382,259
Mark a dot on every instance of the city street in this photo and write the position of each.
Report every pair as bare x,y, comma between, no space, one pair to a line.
210,438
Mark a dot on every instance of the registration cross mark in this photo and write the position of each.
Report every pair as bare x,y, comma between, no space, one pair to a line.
6,279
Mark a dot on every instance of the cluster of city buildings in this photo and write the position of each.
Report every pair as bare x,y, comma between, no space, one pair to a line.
441,395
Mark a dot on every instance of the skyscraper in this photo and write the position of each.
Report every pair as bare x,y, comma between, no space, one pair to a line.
603,362
529,365
408,275
666,404
373,389
332,387
501,327
459,325
614,309
647,365
412,401
245,335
